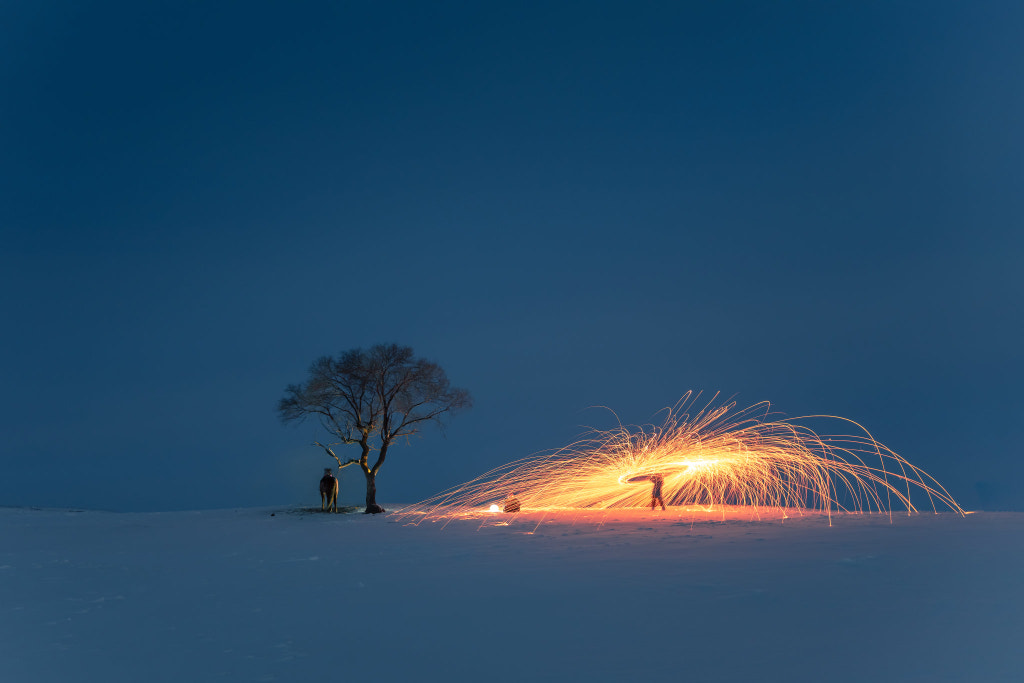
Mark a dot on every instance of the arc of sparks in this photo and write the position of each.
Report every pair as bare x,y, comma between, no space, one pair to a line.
715,455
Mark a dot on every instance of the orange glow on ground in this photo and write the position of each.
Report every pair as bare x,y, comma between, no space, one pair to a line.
673,515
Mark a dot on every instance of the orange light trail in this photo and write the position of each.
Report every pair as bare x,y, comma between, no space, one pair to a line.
712,456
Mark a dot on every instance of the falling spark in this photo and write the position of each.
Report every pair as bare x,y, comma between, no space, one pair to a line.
712,456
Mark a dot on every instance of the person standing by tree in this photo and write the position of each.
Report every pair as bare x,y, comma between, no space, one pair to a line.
328,491
371,399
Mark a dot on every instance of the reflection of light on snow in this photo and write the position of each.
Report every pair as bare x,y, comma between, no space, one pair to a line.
494,508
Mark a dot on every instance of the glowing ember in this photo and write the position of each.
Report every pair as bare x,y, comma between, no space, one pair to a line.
715,456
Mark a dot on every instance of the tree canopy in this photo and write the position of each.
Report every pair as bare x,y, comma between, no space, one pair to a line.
371,398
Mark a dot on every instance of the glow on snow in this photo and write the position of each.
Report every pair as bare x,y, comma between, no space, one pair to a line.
715,455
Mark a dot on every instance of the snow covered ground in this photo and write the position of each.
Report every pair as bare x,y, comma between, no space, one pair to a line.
247,595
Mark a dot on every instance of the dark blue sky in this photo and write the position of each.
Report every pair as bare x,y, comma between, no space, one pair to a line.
564,204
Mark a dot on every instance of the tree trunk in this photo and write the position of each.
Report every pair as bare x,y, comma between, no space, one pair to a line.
371,494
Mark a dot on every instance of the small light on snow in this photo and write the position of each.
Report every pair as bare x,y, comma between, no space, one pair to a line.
494,508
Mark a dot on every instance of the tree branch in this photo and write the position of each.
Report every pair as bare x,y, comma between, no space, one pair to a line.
331,453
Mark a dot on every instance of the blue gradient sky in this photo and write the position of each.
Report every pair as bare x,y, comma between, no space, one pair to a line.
564,204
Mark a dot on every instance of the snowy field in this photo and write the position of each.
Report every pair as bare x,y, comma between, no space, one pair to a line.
247,595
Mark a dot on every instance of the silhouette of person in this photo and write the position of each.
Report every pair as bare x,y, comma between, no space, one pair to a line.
328,491
657,481
511,503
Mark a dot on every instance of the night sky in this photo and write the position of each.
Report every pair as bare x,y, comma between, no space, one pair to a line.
564,204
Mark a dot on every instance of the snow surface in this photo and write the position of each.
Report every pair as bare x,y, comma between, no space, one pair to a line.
247,595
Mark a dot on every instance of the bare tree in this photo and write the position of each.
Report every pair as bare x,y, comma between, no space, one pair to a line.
371,399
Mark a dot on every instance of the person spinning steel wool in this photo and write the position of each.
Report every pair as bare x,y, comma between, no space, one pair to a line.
656,495
657,480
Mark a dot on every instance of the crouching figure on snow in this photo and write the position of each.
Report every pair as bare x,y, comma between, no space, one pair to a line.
328,491
511,503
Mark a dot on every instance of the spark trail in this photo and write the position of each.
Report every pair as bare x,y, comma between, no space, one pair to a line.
716,455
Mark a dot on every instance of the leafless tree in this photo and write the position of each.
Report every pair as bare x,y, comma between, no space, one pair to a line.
371,399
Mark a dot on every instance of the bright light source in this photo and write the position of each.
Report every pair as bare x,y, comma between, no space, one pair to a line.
494,508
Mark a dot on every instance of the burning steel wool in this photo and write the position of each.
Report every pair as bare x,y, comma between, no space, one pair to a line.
712,456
